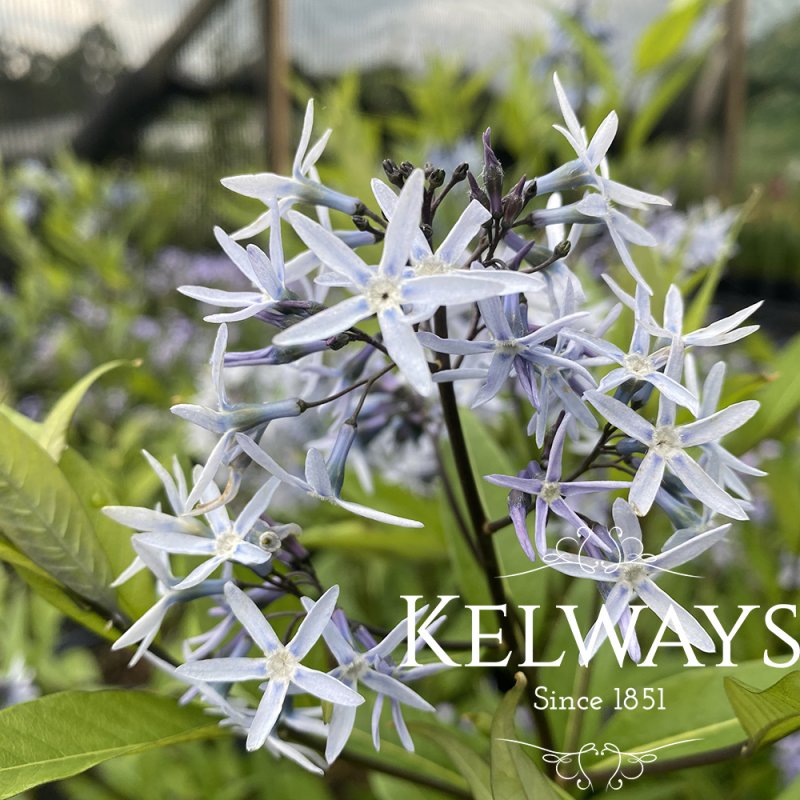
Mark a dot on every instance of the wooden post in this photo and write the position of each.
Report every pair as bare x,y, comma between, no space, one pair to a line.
278,105
735,98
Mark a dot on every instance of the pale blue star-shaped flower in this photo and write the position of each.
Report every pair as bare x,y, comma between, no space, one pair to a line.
302,187
318,483
355,666
638,364
383,291
509,344
280,665
667,444
634,574
267,276
552,493
244,541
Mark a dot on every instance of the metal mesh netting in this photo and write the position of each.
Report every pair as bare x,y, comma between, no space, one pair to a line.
60,58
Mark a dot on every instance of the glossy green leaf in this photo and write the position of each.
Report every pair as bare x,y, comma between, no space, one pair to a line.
25,424
44,519
66,733
136,595
769,714
53,434
514,776
469,763
665,37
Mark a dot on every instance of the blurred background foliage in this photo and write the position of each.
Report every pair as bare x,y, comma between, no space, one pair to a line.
92,250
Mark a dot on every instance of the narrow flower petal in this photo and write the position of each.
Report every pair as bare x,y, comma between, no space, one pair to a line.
622,417
313,625
325,687
714,427
214,670
391,687
404,349
402,226
252,619
326,323
646,483
378,516
698,482
660,602
269,709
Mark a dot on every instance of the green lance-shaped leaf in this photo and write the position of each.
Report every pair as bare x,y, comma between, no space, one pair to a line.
766,715
664,39
43,517
53,434
514,775
464,758
64,734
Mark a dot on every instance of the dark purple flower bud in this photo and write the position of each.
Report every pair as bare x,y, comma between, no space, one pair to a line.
513,202
492,176
475,191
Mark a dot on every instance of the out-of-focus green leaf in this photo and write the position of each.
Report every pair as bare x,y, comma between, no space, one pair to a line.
357,536
660,99
53,434
469,763
385,787
769,714
780,399
54,593
360,743
664,38
66,733
711,723
514,776
44,519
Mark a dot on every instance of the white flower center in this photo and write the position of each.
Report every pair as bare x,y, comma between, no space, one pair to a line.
550,492
666,441
225,545
633,574
281,665
355,669
431,265
382,294
638,365
506,344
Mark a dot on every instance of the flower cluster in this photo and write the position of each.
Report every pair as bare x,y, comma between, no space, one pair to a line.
488,302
